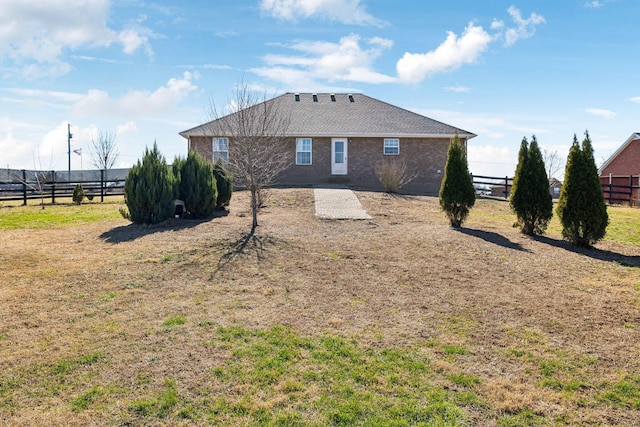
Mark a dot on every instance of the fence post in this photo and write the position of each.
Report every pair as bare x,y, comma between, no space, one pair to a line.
610,195
53,187
102,185
506,187
24,187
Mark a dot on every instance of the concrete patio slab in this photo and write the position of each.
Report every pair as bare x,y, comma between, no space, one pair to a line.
338,202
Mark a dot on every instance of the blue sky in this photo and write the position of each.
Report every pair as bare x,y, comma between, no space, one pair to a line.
146,70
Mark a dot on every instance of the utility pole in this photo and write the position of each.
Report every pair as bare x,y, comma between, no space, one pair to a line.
69,136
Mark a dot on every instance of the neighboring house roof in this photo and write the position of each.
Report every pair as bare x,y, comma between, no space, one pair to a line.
632,138
324,114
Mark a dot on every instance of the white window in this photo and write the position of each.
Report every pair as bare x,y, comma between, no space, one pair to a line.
391,146
303,151
221,149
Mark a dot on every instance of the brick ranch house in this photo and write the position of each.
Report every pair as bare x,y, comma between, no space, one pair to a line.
339,138
623,169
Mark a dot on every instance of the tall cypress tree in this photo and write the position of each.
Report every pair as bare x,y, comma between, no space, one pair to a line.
196,184
530,196
457,195
518,197
224,181
581,207
149,189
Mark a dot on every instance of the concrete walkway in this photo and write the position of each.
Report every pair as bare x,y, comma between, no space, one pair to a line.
338,202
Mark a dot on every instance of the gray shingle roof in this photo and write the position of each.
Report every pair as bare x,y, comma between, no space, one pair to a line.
348,115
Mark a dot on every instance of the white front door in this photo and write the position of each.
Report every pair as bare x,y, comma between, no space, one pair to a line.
338,156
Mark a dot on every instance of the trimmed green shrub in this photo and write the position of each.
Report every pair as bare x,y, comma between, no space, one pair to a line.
530,196
150,189
457,195
224,181
196,184
581,207
78,194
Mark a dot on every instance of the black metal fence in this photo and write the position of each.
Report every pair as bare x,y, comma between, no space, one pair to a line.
621,189
616,189
22,184
493,185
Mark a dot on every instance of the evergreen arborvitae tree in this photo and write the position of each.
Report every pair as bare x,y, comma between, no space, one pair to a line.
196,184
457,194
225,184
581,207
150,189
530,196
78,194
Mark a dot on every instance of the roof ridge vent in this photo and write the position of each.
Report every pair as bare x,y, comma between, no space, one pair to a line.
333,97
315,97
351,97
297,97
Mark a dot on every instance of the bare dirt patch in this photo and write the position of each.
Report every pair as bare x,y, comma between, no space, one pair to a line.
544,328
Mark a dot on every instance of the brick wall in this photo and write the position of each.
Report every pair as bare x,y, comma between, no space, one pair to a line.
626,162
425,156
203,145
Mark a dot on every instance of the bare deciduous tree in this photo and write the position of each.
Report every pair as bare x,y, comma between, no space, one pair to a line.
37,184
40,177
553,163
257,150
103,151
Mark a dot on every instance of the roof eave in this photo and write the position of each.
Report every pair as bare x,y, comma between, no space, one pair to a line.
463,135
633,137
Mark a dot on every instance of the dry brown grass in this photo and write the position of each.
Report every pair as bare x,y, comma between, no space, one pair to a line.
485,300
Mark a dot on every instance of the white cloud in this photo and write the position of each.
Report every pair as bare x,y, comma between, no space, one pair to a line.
128,127
525,27
52,151
486,125
137,103
635,99
497,25
342,61
226,33
451,54
598,112
456,50
344,11
133,39
19,149
45,94
596,4
35,35
11,150
457,89
52,69
491,160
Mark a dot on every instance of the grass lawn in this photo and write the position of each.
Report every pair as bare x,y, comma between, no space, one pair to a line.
395,321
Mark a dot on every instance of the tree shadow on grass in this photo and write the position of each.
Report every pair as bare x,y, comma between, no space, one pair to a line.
591,252
491,237
131,232
247,244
